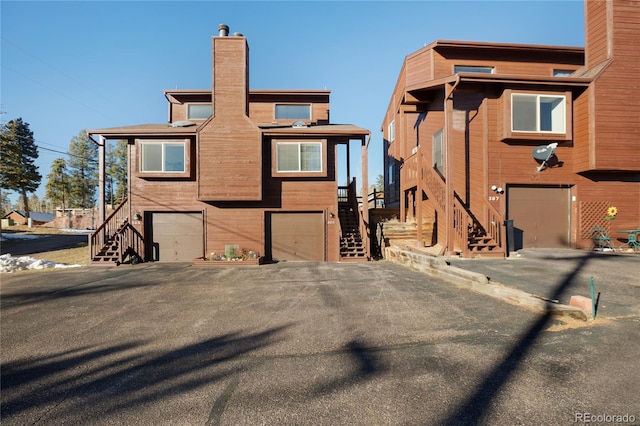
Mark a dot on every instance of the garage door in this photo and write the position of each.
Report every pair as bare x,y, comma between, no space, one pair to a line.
296,236
178,237
540,216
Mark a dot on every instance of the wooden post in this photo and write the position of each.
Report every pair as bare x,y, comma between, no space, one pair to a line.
448,172
101,176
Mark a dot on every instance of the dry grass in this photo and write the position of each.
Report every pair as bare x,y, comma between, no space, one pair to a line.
71,256
24,229
77,255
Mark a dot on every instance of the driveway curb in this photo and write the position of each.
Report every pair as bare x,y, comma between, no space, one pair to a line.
475,281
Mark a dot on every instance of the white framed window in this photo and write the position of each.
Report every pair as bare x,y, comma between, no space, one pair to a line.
293,111
538,113
391,130
438,151
298,157
163,157
472,68
199,111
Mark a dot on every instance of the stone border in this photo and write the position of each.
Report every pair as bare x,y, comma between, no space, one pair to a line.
439,268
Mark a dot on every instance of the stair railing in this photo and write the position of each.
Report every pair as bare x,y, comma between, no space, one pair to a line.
494,221
130,243
108,228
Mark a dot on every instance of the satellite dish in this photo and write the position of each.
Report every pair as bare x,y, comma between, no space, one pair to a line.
299,124
543,153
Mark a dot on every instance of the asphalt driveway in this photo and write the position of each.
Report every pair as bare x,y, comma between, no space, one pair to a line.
297,343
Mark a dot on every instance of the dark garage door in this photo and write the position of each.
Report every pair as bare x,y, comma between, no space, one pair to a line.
296,236
540,216
178,237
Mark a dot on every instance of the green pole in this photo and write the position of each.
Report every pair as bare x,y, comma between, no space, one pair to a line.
593,299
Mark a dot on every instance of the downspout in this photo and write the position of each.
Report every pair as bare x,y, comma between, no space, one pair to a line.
448,152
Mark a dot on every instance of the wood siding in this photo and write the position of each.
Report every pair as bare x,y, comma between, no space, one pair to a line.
616,92
242,222
582,148
597,39
230,160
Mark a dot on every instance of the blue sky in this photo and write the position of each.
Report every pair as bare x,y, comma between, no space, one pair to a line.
68,66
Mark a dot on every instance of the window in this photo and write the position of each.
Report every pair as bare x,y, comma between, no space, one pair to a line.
198,111
438,152
538,113
472,68
562,73
162,157
392,131
299,156
293,112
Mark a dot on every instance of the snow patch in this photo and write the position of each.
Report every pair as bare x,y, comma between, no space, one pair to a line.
9,263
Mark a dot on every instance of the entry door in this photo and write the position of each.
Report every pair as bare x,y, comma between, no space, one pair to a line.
177,237
297,236
540,216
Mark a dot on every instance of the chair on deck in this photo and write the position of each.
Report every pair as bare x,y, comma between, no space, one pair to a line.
600,239
632,241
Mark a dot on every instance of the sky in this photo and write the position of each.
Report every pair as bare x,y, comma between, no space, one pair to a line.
73,65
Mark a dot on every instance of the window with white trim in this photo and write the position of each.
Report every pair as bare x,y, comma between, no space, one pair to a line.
438,151
538,113
293,112
163,157
199,111
299,156
392,131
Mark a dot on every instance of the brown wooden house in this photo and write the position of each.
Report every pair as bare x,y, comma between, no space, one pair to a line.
495,147
255,169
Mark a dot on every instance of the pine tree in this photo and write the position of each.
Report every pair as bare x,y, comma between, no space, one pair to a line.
117,160
34,203
18,152
5,203
58,183
83,171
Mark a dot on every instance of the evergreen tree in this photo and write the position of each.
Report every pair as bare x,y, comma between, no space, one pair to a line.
117,160
18,152
34,203
83,171
58,183
5,203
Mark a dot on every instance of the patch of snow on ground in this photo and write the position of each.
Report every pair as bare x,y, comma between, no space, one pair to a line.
9,263
5,237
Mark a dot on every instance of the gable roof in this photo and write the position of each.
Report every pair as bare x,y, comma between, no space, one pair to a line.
35,216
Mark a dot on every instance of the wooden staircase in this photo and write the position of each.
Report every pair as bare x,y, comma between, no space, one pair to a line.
116,241
483,245
352,247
